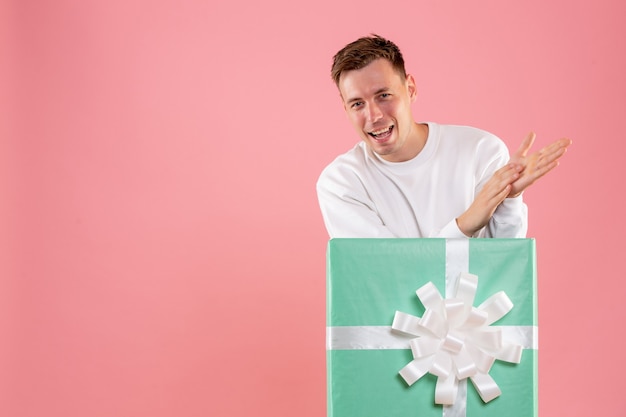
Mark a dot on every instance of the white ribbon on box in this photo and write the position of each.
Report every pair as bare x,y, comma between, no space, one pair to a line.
453,339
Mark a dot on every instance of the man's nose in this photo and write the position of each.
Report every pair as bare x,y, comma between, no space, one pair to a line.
373,113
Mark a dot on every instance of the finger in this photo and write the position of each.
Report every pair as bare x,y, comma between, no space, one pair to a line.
553,151
500,196
526,144
501,179
530,177
540,171
509,171
557,145
546,157
553,156
564,142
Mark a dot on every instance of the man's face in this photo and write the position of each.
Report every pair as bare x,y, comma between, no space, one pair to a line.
378,103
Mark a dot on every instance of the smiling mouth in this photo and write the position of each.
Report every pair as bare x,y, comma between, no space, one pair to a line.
382,133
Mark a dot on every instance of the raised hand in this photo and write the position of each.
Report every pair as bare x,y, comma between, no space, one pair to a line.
537,164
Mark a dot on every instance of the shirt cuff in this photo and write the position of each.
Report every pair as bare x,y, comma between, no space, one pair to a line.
509,211
452,231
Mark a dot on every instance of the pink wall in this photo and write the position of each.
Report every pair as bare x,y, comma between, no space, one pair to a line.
161,250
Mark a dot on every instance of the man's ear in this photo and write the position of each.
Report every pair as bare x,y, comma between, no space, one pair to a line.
411,87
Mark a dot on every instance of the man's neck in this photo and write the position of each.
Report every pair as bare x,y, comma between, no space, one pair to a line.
417,140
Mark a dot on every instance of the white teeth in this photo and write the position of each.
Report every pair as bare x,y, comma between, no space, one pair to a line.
381,131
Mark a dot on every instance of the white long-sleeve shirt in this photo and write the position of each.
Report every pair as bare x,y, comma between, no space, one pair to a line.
362,195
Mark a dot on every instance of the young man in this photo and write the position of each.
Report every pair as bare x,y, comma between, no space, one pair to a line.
408,179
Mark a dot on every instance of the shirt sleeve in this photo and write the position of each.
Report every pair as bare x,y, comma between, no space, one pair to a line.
347,210
510,220
450,231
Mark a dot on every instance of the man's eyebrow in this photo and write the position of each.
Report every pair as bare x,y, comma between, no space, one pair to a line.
352,100
379,91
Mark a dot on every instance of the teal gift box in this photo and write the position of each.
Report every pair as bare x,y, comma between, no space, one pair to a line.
368,280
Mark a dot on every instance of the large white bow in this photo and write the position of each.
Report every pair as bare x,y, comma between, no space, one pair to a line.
454,339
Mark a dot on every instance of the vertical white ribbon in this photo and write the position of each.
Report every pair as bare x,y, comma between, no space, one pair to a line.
457,261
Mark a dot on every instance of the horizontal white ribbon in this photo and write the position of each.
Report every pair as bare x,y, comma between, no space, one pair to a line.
381,337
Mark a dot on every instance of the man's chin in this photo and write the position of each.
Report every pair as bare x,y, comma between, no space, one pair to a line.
381,151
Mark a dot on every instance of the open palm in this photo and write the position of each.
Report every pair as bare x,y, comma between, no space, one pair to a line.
537,164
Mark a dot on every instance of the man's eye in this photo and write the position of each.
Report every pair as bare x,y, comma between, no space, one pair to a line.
357,104
385,95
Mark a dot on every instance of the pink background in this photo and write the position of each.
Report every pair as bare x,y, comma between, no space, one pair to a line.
162,252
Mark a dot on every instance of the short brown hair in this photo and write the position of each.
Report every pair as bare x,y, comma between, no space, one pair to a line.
362,52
